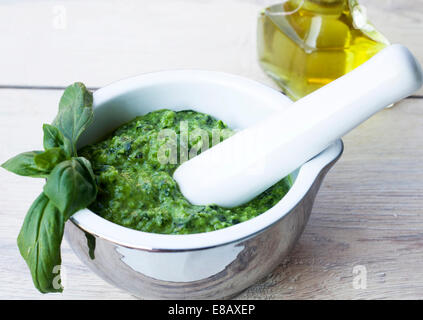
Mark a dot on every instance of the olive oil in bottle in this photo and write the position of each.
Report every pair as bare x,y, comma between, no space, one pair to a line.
305,44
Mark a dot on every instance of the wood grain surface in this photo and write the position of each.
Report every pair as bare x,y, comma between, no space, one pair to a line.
369,211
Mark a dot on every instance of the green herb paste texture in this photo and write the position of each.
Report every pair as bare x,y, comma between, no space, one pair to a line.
136,191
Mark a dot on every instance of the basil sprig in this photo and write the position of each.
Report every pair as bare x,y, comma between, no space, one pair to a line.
70,186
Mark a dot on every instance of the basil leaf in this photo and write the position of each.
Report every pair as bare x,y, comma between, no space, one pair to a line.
53,138
47,160
75,113
24,165
39,243
71,186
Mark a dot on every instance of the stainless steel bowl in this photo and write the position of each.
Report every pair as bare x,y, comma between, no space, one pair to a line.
210,265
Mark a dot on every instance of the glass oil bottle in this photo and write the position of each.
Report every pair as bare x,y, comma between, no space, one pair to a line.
305,44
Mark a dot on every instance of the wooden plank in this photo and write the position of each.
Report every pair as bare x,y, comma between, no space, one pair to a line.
126,38
368,212
56,43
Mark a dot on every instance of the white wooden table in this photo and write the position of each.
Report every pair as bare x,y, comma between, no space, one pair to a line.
369,211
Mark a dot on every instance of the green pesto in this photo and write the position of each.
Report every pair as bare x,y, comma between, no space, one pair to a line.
136,191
